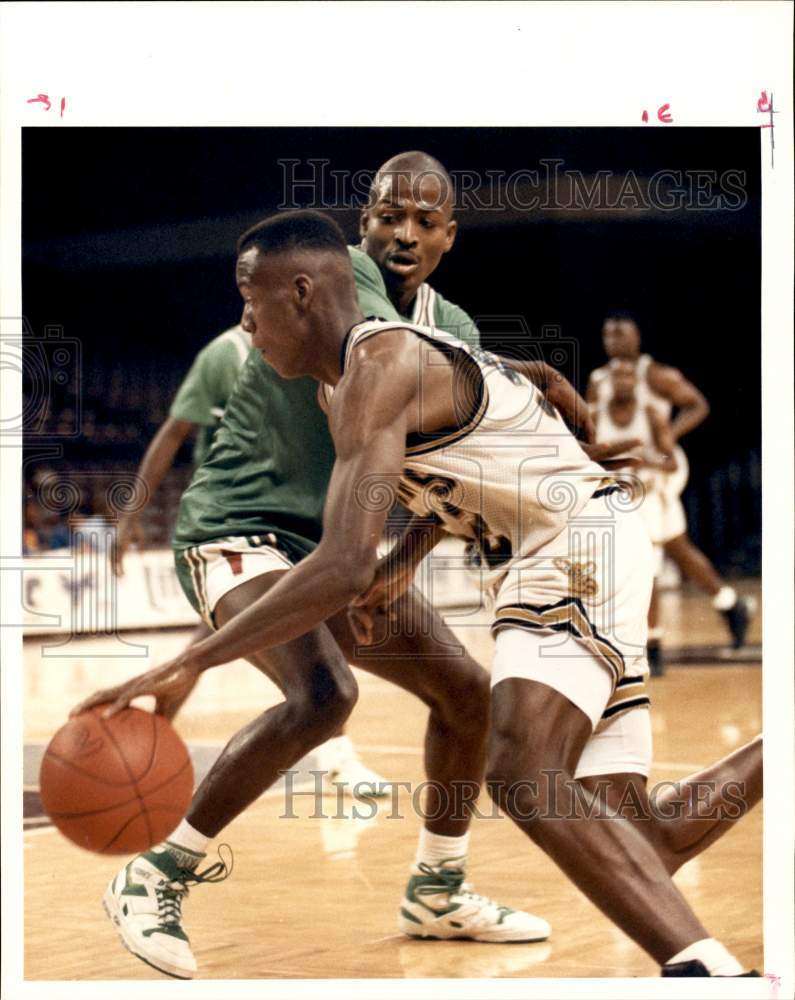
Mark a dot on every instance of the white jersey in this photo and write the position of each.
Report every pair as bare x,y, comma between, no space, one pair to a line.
672,482
608,431
424,306
646,396
511,475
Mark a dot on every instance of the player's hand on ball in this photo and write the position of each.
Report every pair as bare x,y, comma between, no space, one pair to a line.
173,681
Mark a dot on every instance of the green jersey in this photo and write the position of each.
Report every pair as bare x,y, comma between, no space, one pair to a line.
203,395
270,462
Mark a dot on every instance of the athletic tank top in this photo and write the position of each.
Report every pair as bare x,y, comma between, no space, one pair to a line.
671,483
646,396
639,427
511,475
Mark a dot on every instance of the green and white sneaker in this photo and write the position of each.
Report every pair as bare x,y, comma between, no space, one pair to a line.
144,901
440,904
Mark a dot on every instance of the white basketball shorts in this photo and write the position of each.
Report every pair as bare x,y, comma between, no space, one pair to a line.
574,617
662,508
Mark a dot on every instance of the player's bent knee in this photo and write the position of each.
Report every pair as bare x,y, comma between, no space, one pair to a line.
326,699
333,691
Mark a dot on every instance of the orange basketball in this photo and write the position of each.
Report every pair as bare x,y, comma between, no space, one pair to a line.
118,785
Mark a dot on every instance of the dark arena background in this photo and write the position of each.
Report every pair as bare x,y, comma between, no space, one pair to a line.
128,246
128,252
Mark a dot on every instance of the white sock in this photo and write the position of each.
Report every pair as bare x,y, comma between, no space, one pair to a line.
434,849
187,845
718,961
725,599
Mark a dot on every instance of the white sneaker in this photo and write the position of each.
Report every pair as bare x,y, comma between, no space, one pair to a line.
440,904
144,901
338,757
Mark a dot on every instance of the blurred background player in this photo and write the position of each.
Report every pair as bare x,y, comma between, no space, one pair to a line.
658,389
198,408
645,436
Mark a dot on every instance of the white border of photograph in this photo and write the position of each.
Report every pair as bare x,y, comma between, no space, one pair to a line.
529,64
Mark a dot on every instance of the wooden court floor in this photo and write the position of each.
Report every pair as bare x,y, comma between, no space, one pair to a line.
318,897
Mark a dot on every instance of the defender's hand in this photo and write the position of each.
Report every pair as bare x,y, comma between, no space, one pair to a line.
606,454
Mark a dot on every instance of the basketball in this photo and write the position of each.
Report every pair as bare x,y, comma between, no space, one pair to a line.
117,785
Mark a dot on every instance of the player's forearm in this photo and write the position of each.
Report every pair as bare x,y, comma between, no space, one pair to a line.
689,418
310,593
564,397
661,431
559,392
159,456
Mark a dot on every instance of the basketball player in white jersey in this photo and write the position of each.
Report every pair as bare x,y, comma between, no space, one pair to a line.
659,389
471,445
646,436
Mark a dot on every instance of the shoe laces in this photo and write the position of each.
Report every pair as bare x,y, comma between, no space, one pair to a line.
170,894
451,880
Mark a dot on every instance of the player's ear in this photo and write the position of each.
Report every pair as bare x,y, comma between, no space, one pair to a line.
364,218
452,229
303,291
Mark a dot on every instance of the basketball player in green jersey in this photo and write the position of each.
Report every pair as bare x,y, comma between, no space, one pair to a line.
409,408
199,407
254,508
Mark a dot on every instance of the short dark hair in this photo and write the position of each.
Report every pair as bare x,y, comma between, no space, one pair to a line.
623,314
413,162
304,229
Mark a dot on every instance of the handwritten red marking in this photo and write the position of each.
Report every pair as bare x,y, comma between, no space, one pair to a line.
765,106
663,114
40,99
63,105
775,982
645,116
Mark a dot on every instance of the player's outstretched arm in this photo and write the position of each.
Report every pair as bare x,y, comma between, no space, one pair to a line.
560,393
691,403
575,412
158,459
